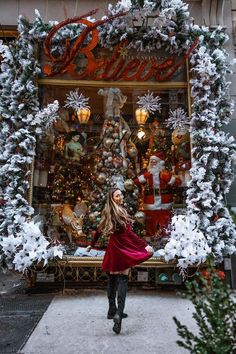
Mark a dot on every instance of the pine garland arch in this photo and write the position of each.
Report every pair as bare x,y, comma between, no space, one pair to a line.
207,226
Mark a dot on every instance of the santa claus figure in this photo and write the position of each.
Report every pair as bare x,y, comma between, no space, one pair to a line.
158,194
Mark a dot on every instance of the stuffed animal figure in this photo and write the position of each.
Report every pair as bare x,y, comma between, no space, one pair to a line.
115,100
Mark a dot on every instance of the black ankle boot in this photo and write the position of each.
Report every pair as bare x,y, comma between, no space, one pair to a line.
117,323
122,290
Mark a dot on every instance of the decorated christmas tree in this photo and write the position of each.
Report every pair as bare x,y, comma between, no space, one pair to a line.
113,166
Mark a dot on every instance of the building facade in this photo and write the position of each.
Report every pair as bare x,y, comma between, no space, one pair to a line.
52,184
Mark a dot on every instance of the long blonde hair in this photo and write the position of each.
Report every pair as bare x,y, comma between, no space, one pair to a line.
113,215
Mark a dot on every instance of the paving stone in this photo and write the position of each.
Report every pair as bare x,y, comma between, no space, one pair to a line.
19,314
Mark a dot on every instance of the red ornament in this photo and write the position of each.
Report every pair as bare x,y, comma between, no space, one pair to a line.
220,274
205,274
47,69
215,218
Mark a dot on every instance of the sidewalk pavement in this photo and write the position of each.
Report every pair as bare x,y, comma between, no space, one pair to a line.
11,282
76,323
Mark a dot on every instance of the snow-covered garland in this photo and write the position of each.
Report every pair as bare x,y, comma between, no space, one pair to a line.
21,241
207,226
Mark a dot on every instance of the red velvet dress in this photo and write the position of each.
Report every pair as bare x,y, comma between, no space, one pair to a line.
125,249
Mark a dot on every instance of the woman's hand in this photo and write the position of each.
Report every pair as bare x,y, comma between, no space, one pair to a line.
149,249
88,249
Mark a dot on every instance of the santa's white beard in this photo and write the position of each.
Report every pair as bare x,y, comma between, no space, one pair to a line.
155,170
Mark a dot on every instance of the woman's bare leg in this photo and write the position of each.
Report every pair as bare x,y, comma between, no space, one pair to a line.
125,272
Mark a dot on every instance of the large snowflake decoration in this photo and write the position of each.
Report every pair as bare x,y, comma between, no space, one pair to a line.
76,100
149,102
177,119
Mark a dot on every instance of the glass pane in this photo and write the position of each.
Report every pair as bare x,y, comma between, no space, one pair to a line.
70,166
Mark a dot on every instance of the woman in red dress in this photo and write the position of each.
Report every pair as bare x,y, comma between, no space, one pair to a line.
125,249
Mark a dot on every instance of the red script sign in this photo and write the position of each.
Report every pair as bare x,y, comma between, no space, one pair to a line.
114,68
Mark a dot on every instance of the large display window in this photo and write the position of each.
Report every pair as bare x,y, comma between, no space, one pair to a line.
137,55
77,163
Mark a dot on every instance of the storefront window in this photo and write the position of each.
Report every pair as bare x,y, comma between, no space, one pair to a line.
70,167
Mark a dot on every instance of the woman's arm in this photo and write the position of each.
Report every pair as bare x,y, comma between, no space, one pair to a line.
96,235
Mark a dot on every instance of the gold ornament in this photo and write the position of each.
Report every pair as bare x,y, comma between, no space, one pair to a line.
92,217
99,165
101,178
115,135
108,142
140,217
129,185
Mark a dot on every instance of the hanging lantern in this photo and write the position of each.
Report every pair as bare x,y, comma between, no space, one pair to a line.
83,115
141,116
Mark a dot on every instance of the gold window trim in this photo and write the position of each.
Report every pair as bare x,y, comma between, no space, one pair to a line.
125,84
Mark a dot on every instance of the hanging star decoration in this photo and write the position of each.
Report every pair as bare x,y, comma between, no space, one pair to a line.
149,102
178,119
76,100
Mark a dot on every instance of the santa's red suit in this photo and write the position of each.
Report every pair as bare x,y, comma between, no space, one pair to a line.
158,196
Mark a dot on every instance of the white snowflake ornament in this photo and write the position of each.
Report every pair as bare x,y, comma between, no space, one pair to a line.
178,119
76,100
149,102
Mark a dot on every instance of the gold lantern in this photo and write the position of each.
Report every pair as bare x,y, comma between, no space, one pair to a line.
83,115
141,116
